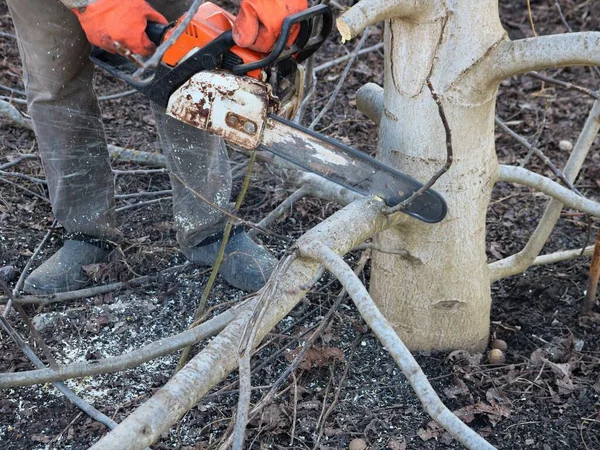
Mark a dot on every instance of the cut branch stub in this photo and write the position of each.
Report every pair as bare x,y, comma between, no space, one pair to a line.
369,12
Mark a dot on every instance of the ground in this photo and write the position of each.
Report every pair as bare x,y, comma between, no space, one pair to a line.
544,397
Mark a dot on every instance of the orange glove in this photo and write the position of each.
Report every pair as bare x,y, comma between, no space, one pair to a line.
124,21
258,24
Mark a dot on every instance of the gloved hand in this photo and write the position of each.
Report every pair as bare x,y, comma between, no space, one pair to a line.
124,21
258,24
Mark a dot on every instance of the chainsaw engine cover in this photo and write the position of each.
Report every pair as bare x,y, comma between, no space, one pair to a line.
233,107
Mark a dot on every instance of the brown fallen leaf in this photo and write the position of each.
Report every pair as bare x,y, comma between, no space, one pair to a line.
317,357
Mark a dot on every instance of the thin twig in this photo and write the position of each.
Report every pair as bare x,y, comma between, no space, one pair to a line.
18,160
338,389
590,298
12,90
140,171
564,84
281,209
341,59
140,204
93,291
144,194
439,173
532,148
335,92
118,95
23,176
18,186
25,271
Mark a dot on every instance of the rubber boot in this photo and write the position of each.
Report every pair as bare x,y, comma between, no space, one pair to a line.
63,271
246,265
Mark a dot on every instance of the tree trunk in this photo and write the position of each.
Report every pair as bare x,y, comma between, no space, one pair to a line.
439,298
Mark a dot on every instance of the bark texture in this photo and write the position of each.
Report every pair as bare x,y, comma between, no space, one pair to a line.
440,299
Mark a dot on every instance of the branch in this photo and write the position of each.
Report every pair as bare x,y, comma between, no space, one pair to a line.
565,255
533,149
551,188
359,220
369,100
516,57
368,12
392,342
521,261
122,362
284,206
68,393
13,114
341,59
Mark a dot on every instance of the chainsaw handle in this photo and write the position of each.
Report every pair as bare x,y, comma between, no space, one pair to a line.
156,31
304,45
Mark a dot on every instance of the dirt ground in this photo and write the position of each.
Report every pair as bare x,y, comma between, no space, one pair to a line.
544,397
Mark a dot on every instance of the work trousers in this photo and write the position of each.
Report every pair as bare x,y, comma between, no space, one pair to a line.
66,117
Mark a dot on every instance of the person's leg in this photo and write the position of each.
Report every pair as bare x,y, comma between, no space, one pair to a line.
67,122
200,168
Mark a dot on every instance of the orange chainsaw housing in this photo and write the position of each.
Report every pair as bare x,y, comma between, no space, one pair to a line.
209,22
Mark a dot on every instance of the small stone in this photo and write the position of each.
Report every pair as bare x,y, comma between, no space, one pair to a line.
8,273
499,344
496,356
357,444
566,146
529,442
45,320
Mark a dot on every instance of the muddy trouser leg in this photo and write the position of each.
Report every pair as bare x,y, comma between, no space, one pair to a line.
58,79
199,170
198,164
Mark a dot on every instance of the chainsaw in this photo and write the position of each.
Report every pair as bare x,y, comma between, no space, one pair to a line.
248,99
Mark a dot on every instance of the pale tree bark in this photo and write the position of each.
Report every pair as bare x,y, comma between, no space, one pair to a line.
444,302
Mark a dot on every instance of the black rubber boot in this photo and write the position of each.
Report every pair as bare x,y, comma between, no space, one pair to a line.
246,265
63,271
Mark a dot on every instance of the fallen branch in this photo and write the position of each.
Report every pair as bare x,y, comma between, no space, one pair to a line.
287,204
392,342
90,292
14,115
551,188
68,393
564,255
122,362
